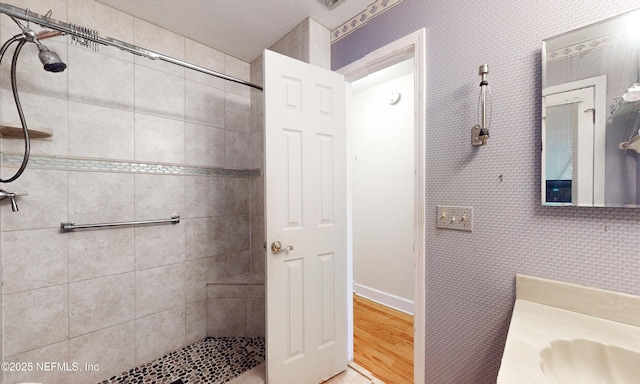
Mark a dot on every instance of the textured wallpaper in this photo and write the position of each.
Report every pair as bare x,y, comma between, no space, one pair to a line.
470,276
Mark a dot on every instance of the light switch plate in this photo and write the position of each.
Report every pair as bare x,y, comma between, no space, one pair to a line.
454,217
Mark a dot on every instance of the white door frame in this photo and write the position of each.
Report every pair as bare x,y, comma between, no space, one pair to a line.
413,45
599,84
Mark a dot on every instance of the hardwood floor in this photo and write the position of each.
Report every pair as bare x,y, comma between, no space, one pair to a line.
383,341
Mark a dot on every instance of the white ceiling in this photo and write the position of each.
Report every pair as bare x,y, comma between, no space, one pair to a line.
240,28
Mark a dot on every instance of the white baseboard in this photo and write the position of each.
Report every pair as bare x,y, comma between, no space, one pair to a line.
384,298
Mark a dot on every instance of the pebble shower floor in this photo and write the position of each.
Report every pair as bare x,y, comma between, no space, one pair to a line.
212,360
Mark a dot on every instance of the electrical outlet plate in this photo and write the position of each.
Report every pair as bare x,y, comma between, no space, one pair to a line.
454,217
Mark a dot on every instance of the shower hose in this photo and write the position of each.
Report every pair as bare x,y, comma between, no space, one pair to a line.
27,142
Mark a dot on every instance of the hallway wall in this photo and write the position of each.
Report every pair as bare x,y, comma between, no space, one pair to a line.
382,181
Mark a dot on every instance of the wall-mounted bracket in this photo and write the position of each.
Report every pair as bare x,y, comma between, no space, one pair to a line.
476,138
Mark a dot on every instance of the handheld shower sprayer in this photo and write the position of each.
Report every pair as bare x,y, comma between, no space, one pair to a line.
49,59
480,132
51,62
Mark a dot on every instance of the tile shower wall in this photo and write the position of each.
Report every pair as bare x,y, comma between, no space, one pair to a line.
308,41
470,276
164,136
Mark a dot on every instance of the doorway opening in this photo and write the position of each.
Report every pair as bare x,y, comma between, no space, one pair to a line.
385,192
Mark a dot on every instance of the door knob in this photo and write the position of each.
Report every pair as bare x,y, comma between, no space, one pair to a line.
277,247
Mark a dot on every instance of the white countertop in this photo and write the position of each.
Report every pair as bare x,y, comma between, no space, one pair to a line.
534,326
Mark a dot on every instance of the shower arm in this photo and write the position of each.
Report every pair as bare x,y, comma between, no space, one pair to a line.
66,28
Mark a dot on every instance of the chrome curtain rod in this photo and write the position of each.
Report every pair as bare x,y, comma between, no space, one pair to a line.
66,28
70,226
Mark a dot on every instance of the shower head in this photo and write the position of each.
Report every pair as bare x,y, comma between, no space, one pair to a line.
50,59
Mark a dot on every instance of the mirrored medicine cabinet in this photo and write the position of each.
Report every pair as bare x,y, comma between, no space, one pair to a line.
591,115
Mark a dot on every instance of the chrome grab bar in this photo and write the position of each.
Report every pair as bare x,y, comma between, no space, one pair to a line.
70,226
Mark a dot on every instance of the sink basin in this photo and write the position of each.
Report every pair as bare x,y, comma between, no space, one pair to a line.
585,362
571,334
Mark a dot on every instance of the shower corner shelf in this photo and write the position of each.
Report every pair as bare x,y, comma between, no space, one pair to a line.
14,131
633,144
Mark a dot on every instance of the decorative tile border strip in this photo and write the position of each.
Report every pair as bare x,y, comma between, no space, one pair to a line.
373,10
585,46
53,162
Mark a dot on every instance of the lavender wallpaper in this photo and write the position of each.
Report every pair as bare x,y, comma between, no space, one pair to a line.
470,276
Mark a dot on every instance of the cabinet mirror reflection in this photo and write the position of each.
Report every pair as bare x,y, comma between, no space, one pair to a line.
591,115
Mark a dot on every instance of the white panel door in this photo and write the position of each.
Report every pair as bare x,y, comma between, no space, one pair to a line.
305,208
